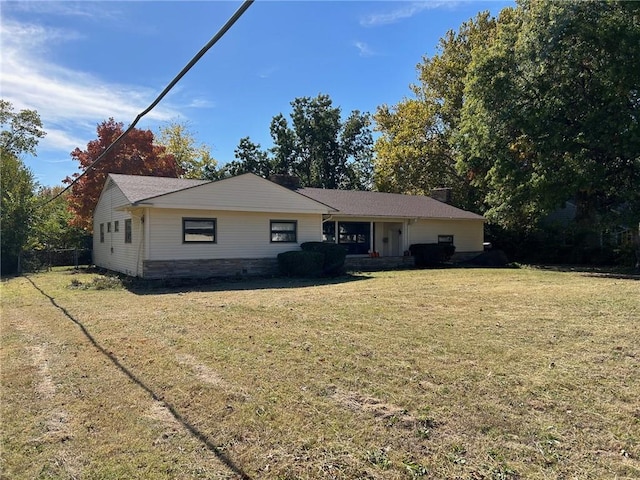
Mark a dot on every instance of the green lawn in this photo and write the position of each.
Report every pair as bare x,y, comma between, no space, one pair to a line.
453,373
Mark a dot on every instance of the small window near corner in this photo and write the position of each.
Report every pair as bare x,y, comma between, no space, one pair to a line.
102,233
127,230
116,226
199,230
108,227
284,231
445,239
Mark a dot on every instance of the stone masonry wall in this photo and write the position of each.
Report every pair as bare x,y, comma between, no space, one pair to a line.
231,267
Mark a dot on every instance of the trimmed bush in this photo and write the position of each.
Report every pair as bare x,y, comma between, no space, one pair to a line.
334,256
301,263
428,254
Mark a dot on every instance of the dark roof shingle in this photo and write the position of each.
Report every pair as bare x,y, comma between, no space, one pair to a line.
348,202
379,204
139,187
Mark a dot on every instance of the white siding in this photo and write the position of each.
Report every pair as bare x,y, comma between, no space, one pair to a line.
468,235
114,254
243,193
238,234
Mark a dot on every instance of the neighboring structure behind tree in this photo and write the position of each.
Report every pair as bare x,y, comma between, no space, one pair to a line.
156,227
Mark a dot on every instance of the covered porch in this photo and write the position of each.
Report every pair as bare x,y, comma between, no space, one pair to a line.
366,237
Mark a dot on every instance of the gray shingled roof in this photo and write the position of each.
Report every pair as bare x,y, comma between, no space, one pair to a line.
139,187
378,204
348,202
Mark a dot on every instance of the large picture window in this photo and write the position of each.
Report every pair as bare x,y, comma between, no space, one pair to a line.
199,230
355,236
285,231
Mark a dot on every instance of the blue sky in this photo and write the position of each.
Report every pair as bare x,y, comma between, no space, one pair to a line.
79,63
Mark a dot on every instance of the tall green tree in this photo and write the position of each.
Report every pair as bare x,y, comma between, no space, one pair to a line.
194,159
19,136
250,159
52,222
317,146
552,113
415,152
21,130
17,209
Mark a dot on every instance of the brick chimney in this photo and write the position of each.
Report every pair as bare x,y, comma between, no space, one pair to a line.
442,195
289,181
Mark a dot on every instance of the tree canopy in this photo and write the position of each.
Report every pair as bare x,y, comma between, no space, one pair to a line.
194,160
21,131
552,111
18,185
318,146
20,134
415,152
136,154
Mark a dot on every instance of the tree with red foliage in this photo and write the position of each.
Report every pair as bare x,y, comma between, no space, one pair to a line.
136,154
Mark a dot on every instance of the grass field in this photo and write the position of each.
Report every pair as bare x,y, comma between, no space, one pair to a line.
470,374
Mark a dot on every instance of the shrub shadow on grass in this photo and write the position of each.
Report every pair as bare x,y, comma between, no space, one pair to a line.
140,286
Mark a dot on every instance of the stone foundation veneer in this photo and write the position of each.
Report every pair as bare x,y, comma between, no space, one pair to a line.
234,267
228,267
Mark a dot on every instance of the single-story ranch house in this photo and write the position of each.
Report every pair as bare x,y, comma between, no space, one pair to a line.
155,227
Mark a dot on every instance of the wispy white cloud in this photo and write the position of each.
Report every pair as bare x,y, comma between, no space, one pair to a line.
363,49
86,10
267,72
70,102
405,10
201,103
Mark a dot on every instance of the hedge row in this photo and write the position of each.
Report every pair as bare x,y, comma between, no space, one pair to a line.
315,259
428,254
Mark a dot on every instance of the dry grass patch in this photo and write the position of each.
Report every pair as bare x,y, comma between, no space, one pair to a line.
436,373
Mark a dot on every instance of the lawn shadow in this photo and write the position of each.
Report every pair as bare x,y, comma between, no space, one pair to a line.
158,397
141,286
617,273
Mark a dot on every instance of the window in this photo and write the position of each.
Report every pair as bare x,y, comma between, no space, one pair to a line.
108,227
102,233
127,230
355,236
445,239
329,232
285,231
116,226
199,230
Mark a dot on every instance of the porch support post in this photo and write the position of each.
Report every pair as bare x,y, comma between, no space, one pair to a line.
372,238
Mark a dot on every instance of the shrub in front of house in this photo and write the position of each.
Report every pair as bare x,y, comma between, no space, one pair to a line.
301,263
429,254
334,256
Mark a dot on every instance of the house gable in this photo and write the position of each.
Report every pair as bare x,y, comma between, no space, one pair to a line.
246,193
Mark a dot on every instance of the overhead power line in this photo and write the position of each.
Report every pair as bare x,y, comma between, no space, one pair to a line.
234,18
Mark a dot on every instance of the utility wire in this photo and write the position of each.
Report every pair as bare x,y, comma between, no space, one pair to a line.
243,8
